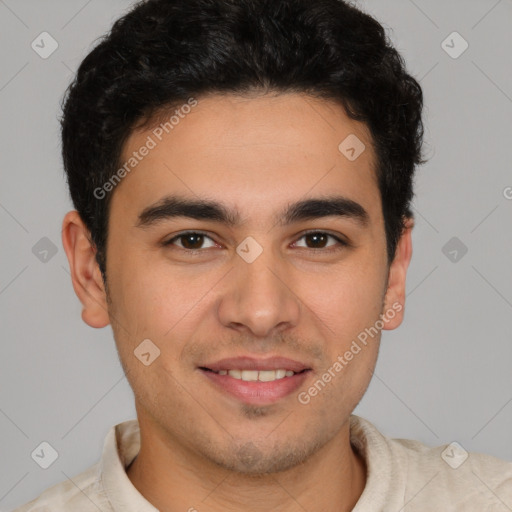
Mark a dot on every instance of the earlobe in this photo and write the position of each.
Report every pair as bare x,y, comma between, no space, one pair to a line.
394,302
85,272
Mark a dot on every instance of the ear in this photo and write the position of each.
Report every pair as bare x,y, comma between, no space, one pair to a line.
394,301
85,271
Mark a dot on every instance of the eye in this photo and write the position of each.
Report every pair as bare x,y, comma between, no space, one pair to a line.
191,241
313,240
318,239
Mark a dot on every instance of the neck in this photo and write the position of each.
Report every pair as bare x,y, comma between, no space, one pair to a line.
174,479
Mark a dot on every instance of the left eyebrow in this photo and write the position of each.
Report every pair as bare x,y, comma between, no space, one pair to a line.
202,209
316,208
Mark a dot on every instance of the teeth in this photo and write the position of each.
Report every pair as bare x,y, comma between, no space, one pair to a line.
255,375
267,375
249,375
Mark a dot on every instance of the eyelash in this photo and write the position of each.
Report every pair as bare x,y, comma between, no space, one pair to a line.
342,243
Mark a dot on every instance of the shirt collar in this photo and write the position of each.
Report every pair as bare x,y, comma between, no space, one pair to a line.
121,446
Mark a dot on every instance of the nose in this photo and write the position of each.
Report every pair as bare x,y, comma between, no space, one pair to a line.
259,298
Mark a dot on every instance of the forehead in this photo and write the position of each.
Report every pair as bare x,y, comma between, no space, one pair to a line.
253,153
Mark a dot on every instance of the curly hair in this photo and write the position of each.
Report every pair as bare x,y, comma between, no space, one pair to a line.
163,52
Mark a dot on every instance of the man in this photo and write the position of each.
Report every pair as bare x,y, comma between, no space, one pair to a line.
242,176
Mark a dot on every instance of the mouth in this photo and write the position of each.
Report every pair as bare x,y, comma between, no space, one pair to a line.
256,375
256,381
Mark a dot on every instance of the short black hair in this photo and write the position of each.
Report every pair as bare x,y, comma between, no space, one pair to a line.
162,53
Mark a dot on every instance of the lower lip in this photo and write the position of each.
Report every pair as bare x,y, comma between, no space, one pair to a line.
256,392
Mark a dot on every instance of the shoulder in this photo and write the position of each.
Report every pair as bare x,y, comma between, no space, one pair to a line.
81,493
454,463
450,474
445,475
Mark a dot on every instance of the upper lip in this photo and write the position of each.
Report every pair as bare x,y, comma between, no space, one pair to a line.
251,363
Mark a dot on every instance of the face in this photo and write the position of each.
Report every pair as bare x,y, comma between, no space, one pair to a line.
247,244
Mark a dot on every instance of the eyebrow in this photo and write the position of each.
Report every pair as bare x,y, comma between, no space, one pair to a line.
174,206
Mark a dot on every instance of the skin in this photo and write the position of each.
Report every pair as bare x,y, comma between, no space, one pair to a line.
201,447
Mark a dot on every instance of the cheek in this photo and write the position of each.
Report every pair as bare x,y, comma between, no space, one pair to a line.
163,302
346,299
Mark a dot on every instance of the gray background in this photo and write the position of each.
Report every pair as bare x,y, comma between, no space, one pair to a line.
444,375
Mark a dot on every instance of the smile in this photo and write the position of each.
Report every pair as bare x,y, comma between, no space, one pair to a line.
257,375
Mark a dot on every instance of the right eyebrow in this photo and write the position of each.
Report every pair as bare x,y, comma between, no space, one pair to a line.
199,209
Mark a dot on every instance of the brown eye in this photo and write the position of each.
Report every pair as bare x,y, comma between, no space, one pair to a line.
191,241
319,240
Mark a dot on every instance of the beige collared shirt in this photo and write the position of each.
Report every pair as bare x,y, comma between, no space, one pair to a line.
403,476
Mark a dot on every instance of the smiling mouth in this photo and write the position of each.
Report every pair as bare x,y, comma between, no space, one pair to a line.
257,375
256,386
